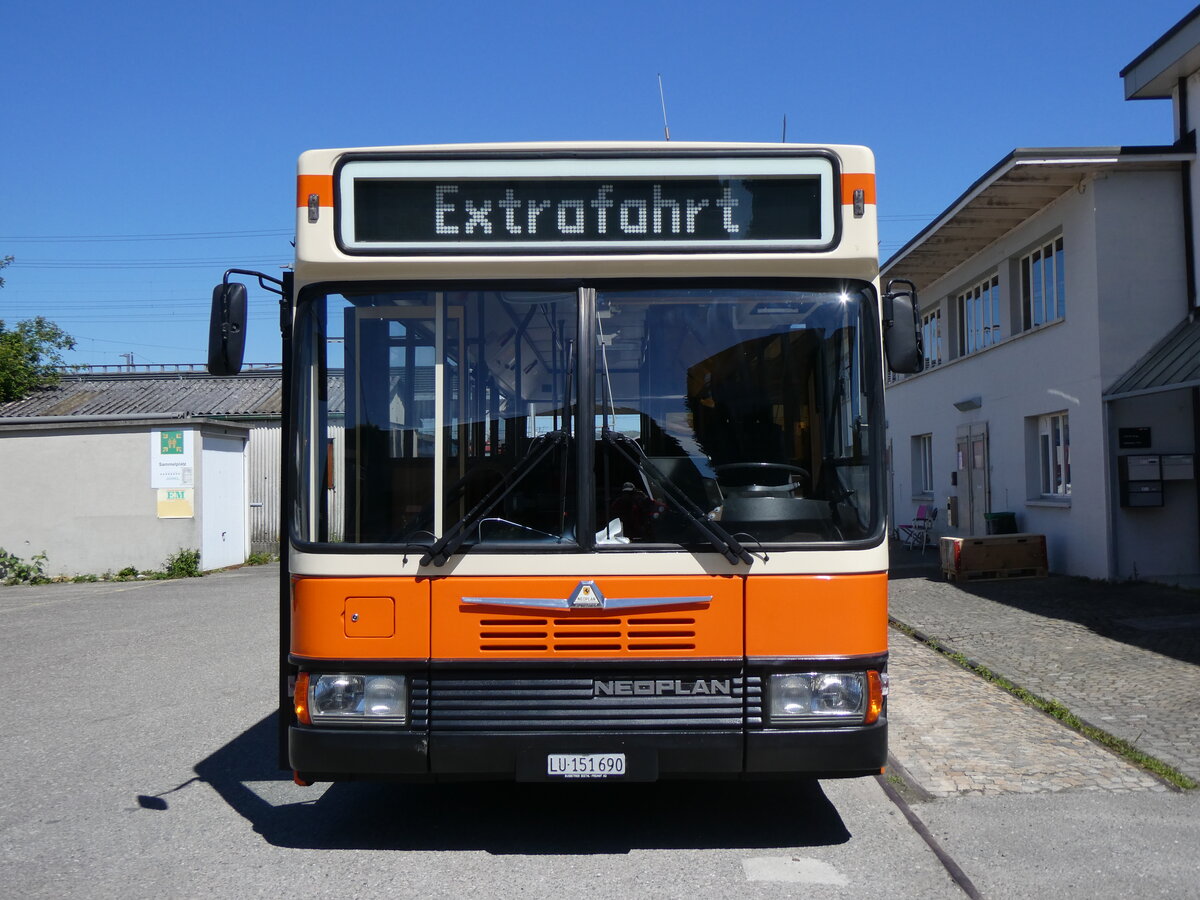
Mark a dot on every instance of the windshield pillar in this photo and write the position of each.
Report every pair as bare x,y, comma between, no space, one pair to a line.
439,414
585,420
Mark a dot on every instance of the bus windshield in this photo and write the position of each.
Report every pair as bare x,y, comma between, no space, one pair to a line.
473,411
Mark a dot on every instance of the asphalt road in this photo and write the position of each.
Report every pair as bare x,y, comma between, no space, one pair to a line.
137,745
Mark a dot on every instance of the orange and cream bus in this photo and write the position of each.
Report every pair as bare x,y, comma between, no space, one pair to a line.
583,462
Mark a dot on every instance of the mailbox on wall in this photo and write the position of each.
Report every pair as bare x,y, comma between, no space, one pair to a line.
1141,480
1142,476
1178,467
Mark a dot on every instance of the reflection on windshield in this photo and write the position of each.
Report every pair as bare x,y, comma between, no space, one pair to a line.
752,402
426,417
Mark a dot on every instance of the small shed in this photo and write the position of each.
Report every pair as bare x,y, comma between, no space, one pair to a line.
97,494
81,473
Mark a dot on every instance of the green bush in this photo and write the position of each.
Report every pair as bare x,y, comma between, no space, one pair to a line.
184,564
14,570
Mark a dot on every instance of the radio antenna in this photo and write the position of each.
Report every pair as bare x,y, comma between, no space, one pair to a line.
784,138
663,99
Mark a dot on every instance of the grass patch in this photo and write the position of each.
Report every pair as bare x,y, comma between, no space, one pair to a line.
1056,710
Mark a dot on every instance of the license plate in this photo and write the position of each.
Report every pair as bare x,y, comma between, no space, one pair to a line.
586,765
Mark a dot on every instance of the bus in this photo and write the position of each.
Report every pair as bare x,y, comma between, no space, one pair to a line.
583,462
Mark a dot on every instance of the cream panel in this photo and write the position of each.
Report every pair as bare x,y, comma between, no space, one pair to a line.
804,562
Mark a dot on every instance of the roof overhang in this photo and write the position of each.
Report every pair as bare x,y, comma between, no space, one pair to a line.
1019,186
1175,55
1172,364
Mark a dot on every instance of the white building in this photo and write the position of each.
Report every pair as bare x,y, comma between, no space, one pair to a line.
1058,299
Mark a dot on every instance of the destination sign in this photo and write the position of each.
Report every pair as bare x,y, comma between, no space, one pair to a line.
613,211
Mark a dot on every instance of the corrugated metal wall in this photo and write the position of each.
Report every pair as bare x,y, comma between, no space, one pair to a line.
337,497
263,491
264,488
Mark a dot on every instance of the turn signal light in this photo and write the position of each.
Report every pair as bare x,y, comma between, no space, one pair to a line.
301,699
874,697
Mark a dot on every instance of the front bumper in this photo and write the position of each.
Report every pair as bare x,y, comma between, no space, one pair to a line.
339,754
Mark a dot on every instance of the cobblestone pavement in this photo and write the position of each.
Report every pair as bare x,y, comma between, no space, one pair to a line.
956,734
1122,657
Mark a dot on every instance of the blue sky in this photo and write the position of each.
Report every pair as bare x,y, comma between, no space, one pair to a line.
146,147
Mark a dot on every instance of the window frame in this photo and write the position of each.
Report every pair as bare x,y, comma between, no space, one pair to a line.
978,310
922,464
1043,286
1054,456
932,337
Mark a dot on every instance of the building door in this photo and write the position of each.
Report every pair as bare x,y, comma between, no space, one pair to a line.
223,515
972,459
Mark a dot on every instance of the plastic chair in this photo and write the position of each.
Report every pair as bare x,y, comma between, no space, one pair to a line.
920,529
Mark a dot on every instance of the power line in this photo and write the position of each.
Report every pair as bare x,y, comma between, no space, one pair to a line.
168,236
131,344
177,263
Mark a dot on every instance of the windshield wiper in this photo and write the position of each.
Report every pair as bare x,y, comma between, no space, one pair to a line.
447,545
721,539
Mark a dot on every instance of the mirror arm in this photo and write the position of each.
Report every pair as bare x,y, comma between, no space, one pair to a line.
262,280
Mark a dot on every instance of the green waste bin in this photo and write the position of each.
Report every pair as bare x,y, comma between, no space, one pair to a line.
1001,522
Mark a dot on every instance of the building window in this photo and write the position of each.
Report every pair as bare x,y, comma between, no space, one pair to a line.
1043,285
931,338
1054,455
922,461
979,316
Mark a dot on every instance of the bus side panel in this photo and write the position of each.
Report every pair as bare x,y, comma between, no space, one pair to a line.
360,618
706,622
816,615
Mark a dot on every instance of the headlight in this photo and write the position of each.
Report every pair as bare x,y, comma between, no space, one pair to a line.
812,697
352,698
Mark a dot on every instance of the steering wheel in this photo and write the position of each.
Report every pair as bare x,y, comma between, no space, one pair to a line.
767,466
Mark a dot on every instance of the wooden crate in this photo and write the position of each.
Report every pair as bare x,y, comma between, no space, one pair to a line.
993,556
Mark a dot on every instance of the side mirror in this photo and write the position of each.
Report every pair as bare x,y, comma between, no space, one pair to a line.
902,329
227,329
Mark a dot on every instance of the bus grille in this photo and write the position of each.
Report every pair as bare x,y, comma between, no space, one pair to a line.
633,633
600,701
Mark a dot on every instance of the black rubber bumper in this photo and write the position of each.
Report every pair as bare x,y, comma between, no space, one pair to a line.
325,754
321,754
827,753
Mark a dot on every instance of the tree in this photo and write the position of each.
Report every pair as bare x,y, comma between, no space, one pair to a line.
28,353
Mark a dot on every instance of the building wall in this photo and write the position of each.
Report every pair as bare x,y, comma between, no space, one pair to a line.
1141,271
1117,259
1156,543
264,486
81,493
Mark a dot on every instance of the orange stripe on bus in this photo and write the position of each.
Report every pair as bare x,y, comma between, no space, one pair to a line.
321,185
409,618
816,615
852,181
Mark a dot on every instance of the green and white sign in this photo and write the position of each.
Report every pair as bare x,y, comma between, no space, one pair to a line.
172,455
